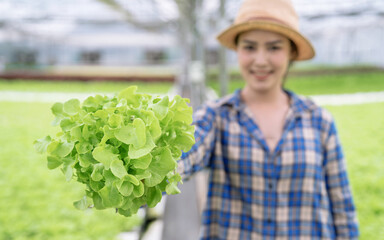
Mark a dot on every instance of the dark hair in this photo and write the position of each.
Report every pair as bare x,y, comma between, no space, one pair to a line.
294,52
237,39
294,49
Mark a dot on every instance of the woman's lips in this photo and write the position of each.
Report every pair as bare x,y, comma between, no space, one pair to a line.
261,75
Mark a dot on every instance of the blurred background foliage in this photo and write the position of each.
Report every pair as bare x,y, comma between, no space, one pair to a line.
103,46
36,203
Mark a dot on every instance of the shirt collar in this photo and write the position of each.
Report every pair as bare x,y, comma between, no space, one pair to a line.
298,104
235,101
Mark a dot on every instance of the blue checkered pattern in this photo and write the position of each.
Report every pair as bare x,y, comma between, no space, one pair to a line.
299,191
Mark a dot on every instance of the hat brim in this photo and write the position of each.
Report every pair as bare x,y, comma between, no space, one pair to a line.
304,47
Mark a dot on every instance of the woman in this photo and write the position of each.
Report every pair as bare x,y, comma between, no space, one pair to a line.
276,165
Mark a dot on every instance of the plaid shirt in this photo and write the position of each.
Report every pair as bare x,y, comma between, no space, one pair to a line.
300,191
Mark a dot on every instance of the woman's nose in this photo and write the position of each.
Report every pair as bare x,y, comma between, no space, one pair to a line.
260,57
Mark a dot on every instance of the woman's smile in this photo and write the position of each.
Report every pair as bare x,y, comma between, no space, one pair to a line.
261,75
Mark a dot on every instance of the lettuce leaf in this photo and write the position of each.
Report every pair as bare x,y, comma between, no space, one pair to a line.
124,148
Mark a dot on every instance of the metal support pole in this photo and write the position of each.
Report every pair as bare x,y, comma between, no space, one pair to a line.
223,73
182,212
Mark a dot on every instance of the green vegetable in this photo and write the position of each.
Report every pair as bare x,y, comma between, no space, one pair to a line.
123,148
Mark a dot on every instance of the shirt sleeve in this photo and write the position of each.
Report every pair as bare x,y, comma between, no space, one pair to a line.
199,156
342,205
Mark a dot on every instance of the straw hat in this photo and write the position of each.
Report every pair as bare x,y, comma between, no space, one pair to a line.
272,15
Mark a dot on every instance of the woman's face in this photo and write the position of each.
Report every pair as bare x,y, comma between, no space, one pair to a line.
263,58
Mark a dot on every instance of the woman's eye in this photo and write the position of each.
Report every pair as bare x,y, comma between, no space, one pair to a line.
248,47
274,48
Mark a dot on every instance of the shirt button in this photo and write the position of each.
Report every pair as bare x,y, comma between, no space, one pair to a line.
269,221
270,185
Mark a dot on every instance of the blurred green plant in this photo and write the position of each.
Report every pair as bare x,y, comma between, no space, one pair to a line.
78,86
360,128
306,85
322,84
